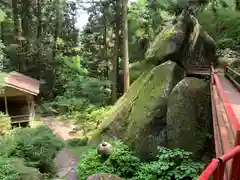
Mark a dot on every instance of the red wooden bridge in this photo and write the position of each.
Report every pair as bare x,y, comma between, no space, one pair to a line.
225,96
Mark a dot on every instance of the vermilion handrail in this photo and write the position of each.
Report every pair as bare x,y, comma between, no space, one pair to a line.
216,167
227,106
217,162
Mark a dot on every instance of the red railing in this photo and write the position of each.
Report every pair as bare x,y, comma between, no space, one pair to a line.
217,167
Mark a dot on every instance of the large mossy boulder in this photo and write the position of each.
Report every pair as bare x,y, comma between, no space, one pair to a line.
169,43
189,115
139,117
138,68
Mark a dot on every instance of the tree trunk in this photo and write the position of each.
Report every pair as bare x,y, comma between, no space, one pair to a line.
56,31
125,45
105,55
15,17
114,73
26,18
39,34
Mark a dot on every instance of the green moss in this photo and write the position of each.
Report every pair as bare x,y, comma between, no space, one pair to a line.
147,128
163,45
136,69
118,113
189,115
168,42
135,115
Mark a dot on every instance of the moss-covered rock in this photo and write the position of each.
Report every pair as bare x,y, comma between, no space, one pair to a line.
138,68
167,43
104,176
135,70
202,48
184,42
189,115
138,117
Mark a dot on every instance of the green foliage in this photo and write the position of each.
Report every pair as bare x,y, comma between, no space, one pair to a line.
122,162
79,91
77,142
38,146
88,119
7,170
223,25
5,123
170,164
2,56
2,15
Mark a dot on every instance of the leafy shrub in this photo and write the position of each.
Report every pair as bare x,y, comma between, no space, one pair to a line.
122,162
89,118
7,171
15,168
5,123
78,89
38,146
170,164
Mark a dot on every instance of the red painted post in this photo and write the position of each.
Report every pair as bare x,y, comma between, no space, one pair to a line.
212,76
211,168
234,173
219,173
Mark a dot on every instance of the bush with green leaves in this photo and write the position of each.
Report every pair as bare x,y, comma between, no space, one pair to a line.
170,164
7,170
15,168
38,146
88,119
174,164
122,162
77,89
5,123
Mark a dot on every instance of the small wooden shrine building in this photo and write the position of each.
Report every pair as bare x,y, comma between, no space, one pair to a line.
17,93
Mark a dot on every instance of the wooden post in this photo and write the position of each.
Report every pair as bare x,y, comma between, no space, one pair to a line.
31,109
5,102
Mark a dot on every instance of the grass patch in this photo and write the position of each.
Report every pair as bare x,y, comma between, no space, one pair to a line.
77,146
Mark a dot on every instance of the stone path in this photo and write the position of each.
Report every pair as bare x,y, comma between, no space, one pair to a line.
65,162
66,165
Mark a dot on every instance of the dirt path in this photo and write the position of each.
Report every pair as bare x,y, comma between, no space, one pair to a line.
65,161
